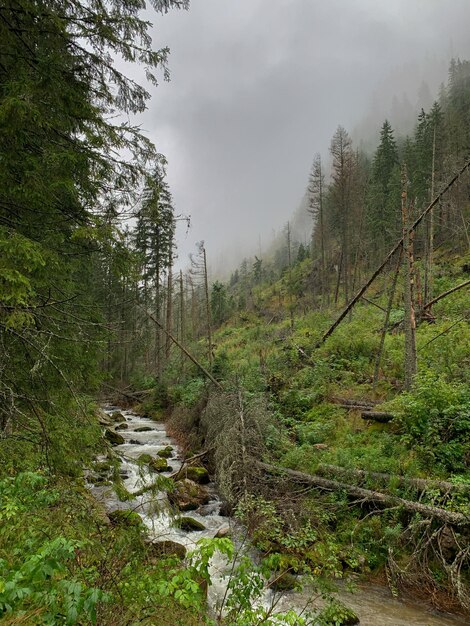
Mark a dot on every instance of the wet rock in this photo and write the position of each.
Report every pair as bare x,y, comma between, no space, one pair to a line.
188,495
135,442
123,426
143,429
145,458
117,416
114,438
197,474
104,419
189,524
224,531
165,548
208,509
166,452
159,465
125,518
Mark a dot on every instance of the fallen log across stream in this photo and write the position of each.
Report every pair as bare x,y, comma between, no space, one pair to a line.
318,482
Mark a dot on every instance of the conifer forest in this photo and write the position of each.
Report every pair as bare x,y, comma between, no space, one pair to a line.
281,440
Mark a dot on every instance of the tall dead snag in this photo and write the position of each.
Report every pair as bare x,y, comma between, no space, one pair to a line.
428,275
182,327
411,360
384,263
208,306
387,319
169,306
289,261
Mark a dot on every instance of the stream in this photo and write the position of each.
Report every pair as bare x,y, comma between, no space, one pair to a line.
374,605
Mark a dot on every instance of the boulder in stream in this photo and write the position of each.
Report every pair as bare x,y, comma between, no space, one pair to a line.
159,465
143,429
114,438
122,426
196,474
125,518
166,452
189,524
224,531
188,495
117,416
283,581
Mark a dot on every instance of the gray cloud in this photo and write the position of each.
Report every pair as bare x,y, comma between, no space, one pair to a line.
259,86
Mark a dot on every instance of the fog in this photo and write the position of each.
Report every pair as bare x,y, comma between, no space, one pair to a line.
258,86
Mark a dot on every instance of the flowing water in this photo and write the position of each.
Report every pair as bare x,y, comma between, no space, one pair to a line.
374,605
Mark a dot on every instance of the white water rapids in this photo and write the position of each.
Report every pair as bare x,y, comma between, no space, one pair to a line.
374,605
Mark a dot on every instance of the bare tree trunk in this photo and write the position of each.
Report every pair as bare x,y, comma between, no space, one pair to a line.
428,277
208,309
448,517
411,365
338,277
169,306
182,326
387,319
289,261
380,268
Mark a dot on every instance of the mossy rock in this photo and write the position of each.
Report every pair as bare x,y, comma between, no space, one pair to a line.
197,474
114,438
166,548
117,416
145,458
337,614
159,465
125,518
123,426
188,495
166,452
189,524
143,429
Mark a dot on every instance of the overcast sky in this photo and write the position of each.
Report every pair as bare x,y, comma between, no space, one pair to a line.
258,86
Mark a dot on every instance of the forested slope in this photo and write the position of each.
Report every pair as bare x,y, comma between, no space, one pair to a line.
374,412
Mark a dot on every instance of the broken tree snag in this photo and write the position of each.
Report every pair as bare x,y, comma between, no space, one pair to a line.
318,482
377,416
381,267
421,484
446,293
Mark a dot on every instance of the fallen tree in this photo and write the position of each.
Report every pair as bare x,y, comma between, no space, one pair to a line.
377,416
390,255
421,484
367,495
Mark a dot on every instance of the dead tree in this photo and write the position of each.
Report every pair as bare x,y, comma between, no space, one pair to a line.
411,363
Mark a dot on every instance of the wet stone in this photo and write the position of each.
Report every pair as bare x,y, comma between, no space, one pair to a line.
189,524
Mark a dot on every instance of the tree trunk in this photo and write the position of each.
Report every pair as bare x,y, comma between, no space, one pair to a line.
411,365
208,310
318,482
387,320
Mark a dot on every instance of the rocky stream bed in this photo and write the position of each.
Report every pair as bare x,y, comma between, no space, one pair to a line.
177,521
